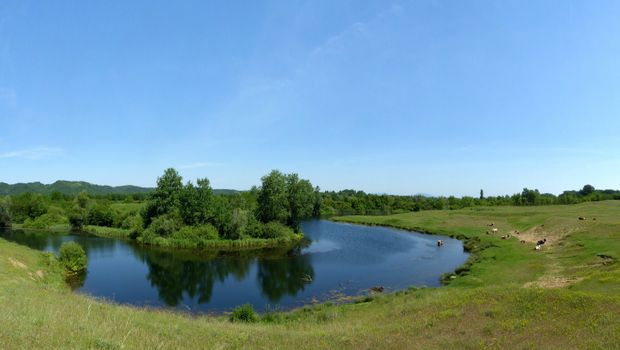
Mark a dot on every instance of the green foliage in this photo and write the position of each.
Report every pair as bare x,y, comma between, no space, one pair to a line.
272,198
164,225
77,218
46,220
60,189
244,313
28,205
195,202
5,212
82,199
100,215
286,199
72,257
268,230
301,200
196,234
166,197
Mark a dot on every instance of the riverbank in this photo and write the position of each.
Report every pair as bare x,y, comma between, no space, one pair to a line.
564,296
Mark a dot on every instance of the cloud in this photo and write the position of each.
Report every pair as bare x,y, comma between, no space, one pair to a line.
336,42
198,165
34,153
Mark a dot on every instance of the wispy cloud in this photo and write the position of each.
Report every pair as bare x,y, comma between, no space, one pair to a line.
34,153
198,165
336,41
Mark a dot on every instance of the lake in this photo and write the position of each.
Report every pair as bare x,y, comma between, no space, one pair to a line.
338,260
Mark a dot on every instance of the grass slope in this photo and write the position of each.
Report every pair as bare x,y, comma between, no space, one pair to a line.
565,296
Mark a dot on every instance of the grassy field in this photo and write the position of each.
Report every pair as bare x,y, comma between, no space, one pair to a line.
564,296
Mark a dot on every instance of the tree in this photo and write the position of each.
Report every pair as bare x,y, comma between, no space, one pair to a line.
5,212
530,197
28,205
272,198
166,197
300,200
77,217
318,202
205,200
82,199
587,190
188,204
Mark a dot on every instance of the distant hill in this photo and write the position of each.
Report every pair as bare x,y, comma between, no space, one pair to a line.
75,187
69,187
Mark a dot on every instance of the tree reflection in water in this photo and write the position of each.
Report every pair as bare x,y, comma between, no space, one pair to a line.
175,274
286,275
280,272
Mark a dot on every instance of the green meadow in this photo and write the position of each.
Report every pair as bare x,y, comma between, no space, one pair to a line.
508,295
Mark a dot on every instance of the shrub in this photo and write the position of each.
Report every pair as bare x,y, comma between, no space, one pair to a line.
244,313
100,215
164,226
269,230
72,257
46,220
276,230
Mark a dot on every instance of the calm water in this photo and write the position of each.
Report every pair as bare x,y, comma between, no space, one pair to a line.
341,259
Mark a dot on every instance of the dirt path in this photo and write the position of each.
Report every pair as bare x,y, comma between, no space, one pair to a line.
555,276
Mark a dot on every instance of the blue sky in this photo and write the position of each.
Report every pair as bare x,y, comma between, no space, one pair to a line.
438,97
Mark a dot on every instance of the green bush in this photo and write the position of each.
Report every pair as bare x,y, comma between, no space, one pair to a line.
100,215
269,230
72,257
46,220
244,313
276,230
164,226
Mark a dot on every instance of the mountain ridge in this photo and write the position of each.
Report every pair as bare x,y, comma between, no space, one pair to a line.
75,187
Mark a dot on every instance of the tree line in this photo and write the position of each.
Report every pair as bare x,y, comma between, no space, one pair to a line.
351,202
273,209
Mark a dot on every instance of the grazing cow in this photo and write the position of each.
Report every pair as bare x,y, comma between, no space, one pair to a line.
492,224
581,218
439,243
537,247
494,230
541,242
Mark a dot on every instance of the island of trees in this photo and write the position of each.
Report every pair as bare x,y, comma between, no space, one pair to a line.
179,215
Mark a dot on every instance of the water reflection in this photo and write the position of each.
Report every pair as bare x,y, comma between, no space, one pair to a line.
173,275
279,277
179,274
341,257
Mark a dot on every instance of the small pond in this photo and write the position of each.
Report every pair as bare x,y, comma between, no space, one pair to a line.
339,260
